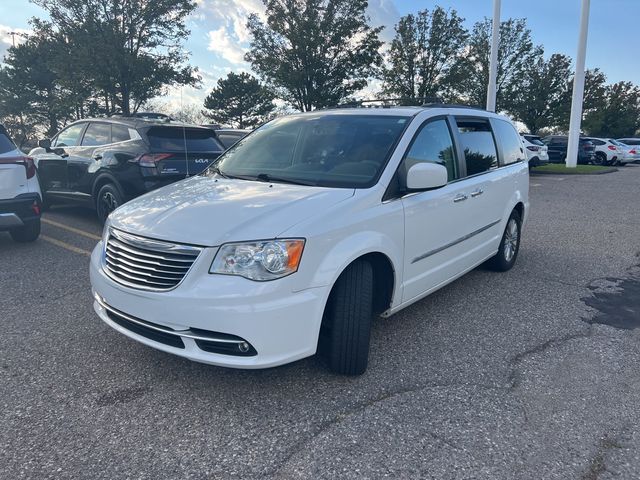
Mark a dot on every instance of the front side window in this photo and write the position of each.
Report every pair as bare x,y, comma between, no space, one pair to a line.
330,150
97,134
433,144
509,140
69,137
478,145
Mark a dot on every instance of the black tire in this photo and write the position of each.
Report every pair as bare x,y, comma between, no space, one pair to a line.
27,233
347,320
507,254
600,159
108,199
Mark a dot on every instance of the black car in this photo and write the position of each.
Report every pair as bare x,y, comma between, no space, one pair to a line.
557,149
104,162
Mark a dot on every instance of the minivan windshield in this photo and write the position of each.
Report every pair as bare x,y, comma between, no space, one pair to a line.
328,150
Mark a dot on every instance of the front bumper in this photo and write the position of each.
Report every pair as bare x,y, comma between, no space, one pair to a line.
280,324
15,212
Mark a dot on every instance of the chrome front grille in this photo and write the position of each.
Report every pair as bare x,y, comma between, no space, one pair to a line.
146,264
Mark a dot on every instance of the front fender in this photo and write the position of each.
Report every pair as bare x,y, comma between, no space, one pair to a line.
337,257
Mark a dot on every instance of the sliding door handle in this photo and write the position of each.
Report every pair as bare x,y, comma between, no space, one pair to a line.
477,192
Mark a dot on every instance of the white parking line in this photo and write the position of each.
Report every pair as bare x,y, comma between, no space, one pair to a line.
71,229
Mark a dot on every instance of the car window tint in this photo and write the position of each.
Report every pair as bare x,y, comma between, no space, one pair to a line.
228,139
433,144
119,133
97,134
6,145
478,145
534,140
177,139
509,141
69,137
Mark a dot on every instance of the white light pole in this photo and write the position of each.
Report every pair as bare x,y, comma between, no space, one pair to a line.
493,64
578,89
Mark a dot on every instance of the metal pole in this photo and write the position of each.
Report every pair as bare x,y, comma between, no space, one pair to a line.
493,64
578,89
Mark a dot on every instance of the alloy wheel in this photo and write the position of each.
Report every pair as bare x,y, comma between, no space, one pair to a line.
511,240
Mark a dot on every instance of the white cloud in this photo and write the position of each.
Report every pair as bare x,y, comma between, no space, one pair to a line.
227,46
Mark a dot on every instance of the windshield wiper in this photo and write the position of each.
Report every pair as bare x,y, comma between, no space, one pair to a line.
217,170
265,177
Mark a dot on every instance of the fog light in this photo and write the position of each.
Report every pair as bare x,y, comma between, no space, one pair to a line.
243,347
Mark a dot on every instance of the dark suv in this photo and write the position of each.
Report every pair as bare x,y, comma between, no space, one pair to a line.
557,149
104,162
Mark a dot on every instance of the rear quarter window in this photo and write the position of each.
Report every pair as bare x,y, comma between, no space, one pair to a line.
177,139
508,141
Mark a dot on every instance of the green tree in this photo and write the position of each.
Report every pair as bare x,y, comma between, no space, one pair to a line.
126,52
618,116
425,49
593,104
31,94
239,100
515,53
314,53
540,100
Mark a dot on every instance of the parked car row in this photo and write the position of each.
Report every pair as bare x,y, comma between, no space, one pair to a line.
591,150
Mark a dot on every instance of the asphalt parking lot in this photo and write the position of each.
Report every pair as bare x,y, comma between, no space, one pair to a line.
529,374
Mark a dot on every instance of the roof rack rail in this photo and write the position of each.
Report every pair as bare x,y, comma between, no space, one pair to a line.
451,105
427,102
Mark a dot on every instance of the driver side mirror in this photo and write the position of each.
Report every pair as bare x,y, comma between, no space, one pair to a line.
426,176
45,143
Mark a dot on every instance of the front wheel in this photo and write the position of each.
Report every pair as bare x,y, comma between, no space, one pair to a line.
109,198
505,259
29,232
347,320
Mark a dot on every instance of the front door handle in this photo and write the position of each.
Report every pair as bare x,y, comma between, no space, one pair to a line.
461,197
477,192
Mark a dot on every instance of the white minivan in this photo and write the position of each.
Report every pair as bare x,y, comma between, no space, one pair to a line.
308,228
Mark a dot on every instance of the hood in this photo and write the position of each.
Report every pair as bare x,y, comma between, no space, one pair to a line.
210,211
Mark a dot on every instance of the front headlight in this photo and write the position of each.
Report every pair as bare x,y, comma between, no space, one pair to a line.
261,260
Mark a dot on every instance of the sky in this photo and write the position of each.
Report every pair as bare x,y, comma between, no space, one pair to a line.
219,37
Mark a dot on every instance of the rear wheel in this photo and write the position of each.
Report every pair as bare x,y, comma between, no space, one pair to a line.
347,320
509,245
27,233
600,159
109,198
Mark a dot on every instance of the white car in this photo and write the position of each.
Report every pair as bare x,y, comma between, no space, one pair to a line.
20,197
631,153
537,152
608,151
310,227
